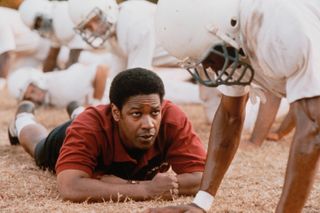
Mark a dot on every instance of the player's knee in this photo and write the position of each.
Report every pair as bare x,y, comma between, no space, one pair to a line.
310,143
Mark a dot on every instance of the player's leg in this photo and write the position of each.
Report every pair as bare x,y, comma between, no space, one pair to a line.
303,157
265,118
24,129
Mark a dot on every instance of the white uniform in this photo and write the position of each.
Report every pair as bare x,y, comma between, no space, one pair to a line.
72,84
212,97
283,46
136,46
177,87
14,35
136,36
28,47
64,35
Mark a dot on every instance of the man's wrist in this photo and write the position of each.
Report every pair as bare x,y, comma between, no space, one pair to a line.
203,200
133,182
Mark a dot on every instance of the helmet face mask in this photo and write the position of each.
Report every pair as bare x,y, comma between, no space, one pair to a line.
19,81
43,24
222,66
201,32
96,28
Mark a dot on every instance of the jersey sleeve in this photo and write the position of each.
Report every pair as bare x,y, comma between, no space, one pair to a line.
186,152
80,149
141,46
7,42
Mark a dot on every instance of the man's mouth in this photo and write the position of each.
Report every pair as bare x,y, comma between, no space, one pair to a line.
146,138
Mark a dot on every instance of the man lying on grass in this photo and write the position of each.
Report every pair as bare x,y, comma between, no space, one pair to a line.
123,148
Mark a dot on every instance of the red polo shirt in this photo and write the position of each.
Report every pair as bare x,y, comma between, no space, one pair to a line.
92,144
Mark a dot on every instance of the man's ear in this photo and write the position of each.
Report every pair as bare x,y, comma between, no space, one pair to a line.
115,112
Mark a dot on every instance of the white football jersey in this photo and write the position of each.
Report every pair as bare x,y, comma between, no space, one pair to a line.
74,83
14,34
281,39
136,36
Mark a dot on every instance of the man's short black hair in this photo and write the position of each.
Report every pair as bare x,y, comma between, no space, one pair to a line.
132,82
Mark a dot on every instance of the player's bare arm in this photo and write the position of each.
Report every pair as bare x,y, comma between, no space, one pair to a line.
99,82
51,61
266,117
77,186
73,57
6,60
224,141
285,127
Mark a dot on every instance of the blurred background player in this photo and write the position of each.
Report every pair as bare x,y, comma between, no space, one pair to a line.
82,83
19,46
52,21
128,30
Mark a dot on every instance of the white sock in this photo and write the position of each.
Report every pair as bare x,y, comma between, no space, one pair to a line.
24,119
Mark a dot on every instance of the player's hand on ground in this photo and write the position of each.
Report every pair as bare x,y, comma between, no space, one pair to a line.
176,209
273,136
163,185
248,145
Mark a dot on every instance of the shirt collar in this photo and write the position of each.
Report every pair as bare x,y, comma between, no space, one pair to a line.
121,154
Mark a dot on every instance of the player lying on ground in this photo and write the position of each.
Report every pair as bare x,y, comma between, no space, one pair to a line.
124,148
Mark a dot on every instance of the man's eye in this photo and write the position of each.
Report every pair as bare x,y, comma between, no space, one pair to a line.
136,114
155,113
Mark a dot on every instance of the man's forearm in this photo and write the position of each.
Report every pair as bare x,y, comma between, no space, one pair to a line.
77,186
189,183
223,142
84,188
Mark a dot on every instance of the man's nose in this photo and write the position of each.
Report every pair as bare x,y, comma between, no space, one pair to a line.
147,122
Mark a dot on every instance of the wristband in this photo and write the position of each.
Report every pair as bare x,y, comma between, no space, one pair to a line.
203,200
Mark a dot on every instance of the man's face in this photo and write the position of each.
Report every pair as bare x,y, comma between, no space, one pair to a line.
96,29
139,121
95,25
34,94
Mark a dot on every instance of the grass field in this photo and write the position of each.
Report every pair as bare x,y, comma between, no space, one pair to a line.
252,184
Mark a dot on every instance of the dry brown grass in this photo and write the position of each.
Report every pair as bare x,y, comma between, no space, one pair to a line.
252,184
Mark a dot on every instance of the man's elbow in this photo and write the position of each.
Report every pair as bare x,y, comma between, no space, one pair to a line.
195,187
68,193
69,187
192,183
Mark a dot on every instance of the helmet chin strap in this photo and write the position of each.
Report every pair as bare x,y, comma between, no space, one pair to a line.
215,31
